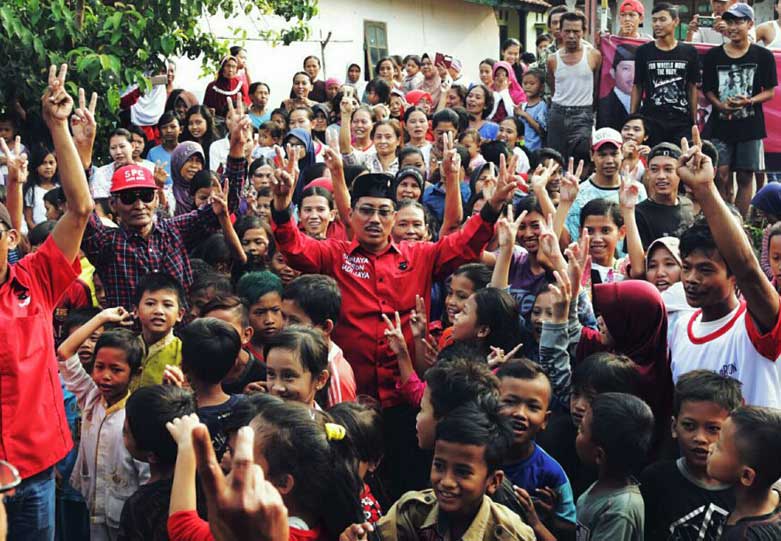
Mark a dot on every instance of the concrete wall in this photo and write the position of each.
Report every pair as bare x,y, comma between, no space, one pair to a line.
465,30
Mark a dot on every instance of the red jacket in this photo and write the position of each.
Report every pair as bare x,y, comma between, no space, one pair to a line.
375,284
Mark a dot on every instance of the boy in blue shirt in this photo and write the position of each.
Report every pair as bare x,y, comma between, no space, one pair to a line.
539,480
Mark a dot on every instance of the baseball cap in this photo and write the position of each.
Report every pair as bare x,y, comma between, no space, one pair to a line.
606,135
632,5
672,244
739,11
129,177
5,217
665,149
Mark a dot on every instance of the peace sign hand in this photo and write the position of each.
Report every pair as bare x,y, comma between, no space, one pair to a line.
507,228
56,104
542,174
160,174
570,182
219,198
83,125
505,184
629,192
16,161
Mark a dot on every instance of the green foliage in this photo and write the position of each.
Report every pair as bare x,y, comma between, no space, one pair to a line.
109,44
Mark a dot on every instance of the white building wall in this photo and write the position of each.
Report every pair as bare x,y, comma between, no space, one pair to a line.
465,30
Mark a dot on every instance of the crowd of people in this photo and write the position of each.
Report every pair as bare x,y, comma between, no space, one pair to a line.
413,307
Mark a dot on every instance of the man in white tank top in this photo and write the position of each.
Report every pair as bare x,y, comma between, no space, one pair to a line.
572,73
769,33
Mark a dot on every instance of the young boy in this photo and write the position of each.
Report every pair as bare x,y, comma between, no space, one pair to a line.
74,320
209,351
248,368
262,291
145,513
469,449
525,394
170,130
269,134
159,306
746,456
681,499
104,472
615,435
534,112
206,286
314,300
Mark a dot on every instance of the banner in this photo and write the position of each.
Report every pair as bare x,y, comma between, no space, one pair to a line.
617,77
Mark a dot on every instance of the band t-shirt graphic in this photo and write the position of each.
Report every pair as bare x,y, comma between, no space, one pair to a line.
736,80
664,77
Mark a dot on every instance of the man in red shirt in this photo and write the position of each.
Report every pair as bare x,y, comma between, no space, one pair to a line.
34,433
378,277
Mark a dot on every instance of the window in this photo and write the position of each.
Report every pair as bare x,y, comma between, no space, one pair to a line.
375,43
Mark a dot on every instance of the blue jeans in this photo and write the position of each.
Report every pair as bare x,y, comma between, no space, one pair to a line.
31,509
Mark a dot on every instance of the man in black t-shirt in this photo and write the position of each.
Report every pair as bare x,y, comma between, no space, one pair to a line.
737,78
666,75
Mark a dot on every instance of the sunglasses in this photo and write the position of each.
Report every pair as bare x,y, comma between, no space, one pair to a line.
368,212
128,197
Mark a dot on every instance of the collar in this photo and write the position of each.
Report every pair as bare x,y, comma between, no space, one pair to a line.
476,530
17,286
334,351
159,345
120,404
355,246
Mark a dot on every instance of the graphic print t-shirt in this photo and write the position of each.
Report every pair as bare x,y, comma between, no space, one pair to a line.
745,76
664,77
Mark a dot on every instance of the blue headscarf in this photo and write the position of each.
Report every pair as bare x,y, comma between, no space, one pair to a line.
768,199
308,159
183,152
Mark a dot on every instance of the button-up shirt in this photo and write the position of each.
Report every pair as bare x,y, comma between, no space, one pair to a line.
373,284
121,257
34,431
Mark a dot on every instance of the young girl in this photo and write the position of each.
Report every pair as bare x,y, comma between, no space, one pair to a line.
416,127
774,254
396,105
663,263
533,113
489,318
104,472
511,130
604,222
308,460
487,72
412,157
507,92
365,430
413,78
43,177
471,140
297,365
467,280
199,128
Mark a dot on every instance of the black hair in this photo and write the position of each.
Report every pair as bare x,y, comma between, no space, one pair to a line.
574,16
77,318
41,232
319,191
379,87
602,207
11,118
229,303
365,428
547,153
326,482
246,410
492,150
235,50
707,386
530,204
248,221
463,153
665,6
415,58
622,425
104,204
534,72
445,115
37,155
254,86
489,98
409,110
526,370
710,150
148,410
553,11
473,425
202,179
758,441
125,340
310,114
605,372
497,310
121,132
431,222
542,37
477,172
409,150
458,380
774,231
317,295
488,61
209,136
642,118
209,279
312,56
209,349
159,281
214,250
699,237
351,172
166,118
308,344
55,197
394,125
281,111
461,91
510,42
477,273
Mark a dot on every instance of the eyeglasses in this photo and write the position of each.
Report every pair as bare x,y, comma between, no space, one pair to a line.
128,197
367,212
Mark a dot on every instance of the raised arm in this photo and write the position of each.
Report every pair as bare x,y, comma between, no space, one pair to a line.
183,490
451,166
16,162
506,230
333,160
56,107
346,108
72,343
628,195
220,207
696,171
569,188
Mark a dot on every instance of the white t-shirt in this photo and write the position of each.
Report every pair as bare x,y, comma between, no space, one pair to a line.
34,199
731,346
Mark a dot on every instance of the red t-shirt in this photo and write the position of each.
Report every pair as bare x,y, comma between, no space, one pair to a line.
188,526
34,433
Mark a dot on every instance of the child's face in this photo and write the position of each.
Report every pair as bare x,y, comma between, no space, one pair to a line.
412,68
471,145
486,74
87,348
300,119
663,270
724,462
774,253
7,132
531,85
169,133
320,123
460,478
607,160
265,316
705,279
202,196
425,422
255,242
529,232
316,215
580,403
138,145
159,311
605,236
111,373
279,120
294,315
395,106
584,446
48,167
265,139
263,207
287,378
458,292
197,125
541,311
525,403
280,267
413,160
52,212
465,324
199,299
696,428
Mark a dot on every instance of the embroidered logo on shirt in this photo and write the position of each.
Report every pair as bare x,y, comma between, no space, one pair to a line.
356,265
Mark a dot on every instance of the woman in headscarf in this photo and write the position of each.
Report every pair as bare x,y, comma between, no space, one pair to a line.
507,92
186,160
304,148
226,86
354,79
432,83
633,322
179,101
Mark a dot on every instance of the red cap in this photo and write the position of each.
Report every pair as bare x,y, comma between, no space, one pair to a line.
632,5
321,182
129,177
